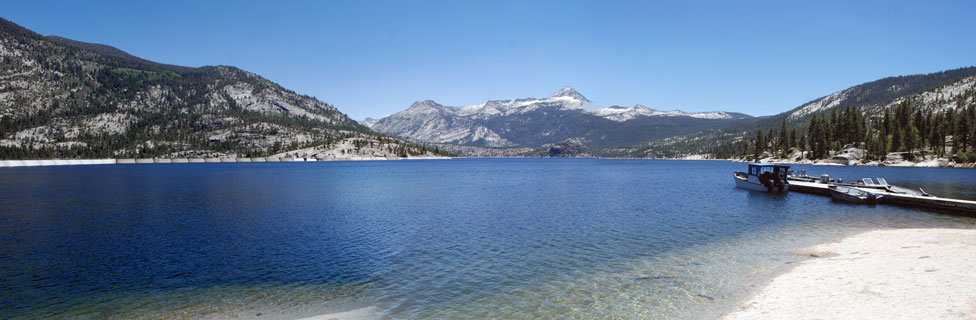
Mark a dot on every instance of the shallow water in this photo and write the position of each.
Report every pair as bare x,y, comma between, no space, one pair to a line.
463,238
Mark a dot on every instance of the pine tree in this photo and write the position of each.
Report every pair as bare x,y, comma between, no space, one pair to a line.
930,125
912,139
897,140
961,136
744,147
760,144
971,111
903,113
803,144
793,138
922,123
860,125
830,126
872,147
936,134
886,124
817,137
949,125
824,138
783,140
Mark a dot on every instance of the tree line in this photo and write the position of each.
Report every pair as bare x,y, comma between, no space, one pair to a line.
904,128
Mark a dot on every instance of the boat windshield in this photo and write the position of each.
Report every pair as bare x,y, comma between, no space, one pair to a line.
773,170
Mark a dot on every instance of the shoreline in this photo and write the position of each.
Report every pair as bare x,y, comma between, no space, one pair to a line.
898,164
879,274
68,162
829,163
76,162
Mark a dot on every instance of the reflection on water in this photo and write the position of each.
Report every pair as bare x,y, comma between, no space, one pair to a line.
496,238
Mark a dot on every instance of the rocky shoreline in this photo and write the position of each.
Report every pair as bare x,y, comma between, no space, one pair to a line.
76,162
856,157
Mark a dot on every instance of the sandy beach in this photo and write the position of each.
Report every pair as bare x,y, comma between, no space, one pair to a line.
884,274
366,313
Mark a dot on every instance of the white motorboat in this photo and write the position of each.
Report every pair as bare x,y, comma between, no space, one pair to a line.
763,177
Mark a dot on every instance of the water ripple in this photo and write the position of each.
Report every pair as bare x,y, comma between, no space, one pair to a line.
495,238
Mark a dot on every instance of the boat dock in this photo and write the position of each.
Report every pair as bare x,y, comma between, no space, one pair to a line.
946,205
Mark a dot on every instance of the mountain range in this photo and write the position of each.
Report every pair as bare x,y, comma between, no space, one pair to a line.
538,122
529,124
62,98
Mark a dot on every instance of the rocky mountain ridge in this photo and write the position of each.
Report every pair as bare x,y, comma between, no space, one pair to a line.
939,92
621,114
535,122
939,88
72,99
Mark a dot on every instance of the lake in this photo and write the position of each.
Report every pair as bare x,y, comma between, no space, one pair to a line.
461,238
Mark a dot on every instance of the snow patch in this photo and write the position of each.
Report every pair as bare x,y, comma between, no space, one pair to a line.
621,114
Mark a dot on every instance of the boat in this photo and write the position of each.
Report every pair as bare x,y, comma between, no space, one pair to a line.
854,195
882,184
903,190
800,175
763,177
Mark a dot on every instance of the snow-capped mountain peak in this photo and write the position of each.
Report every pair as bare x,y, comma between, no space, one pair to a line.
621,114
533,122
568,92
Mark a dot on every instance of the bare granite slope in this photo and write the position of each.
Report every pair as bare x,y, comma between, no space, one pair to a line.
61,98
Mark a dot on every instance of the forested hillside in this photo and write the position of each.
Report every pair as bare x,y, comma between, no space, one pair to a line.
932,112
907,128
61,98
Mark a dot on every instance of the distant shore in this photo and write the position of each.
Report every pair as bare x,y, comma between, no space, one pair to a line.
65,162
75,162
882,274
931,163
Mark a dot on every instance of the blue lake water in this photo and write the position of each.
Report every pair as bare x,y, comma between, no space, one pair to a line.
463,238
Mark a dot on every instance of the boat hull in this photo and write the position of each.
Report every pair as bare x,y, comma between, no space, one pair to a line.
843,197
861,197
745,184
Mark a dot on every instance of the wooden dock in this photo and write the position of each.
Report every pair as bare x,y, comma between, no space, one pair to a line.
946,205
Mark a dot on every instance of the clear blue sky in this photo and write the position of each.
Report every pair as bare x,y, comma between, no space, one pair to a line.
376,58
